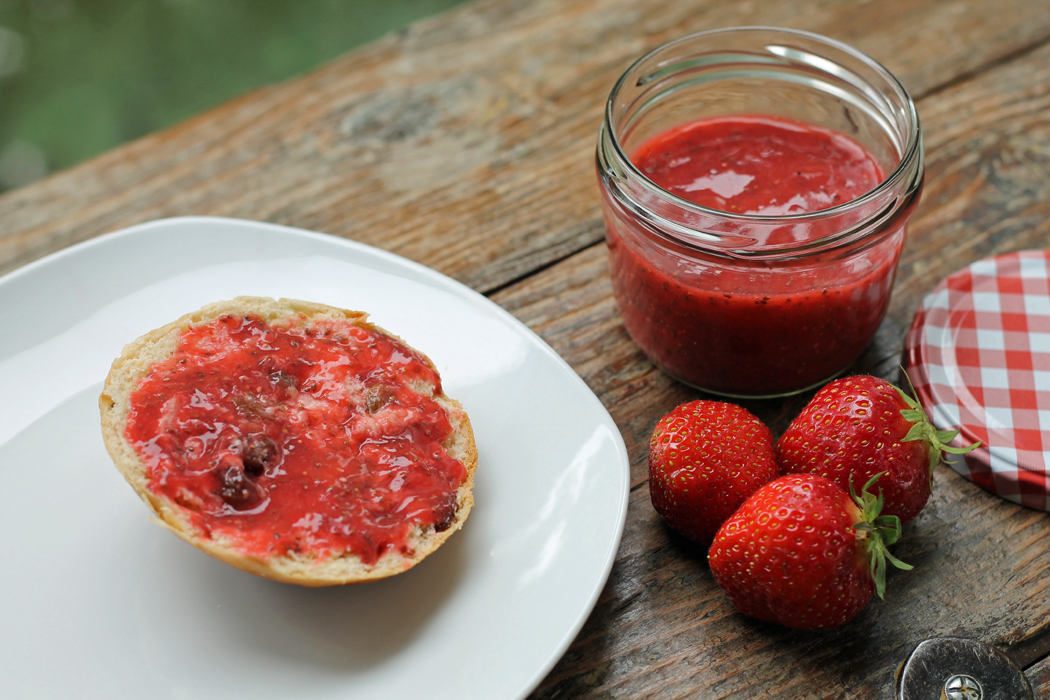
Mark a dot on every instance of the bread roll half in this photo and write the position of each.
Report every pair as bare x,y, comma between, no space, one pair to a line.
292,440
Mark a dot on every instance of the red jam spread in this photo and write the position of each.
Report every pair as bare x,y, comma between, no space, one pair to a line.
290,438
737,329
765,166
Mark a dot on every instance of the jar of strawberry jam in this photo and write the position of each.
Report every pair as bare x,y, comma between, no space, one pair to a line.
756,185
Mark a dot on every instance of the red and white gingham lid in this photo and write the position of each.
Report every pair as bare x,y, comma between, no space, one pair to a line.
978,353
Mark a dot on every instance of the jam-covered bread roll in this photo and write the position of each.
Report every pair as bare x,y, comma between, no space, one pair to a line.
292,440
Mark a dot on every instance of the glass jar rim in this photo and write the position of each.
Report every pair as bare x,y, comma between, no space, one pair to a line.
911,148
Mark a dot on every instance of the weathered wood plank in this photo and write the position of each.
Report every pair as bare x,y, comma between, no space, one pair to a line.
1039,677
662,628
987,183
466,142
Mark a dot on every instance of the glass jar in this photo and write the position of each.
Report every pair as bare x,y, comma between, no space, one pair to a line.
742,304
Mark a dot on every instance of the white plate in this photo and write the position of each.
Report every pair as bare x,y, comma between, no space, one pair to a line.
100,602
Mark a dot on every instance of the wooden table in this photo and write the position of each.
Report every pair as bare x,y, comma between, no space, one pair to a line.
466,143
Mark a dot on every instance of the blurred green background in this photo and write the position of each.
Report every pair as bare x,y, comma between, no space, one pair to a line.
78,77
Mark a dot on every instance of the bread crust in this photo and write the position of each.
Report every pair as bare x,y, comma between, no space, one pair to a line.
141,354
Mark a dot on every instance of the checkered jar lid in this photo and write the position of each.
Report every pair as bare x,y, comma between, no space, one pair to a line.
978,353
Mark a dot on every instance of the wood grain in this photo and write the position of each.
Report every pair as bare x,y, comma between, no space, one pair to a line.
466,142
1039,677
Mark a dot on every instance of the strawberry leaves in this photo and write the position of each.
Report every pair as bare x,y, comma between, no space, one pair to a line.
923,429
878,532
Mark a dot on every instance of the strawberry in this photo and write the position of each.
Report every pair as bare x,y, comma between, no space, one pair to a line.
705,459
803,553
857,427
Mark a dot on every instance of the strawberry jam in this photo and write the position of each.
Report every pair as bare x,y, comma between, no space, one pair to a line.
282,438
740,327
759,165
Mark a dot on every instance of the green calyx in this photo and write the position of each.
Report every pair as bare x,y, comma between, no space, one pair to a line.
922,429
878,532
